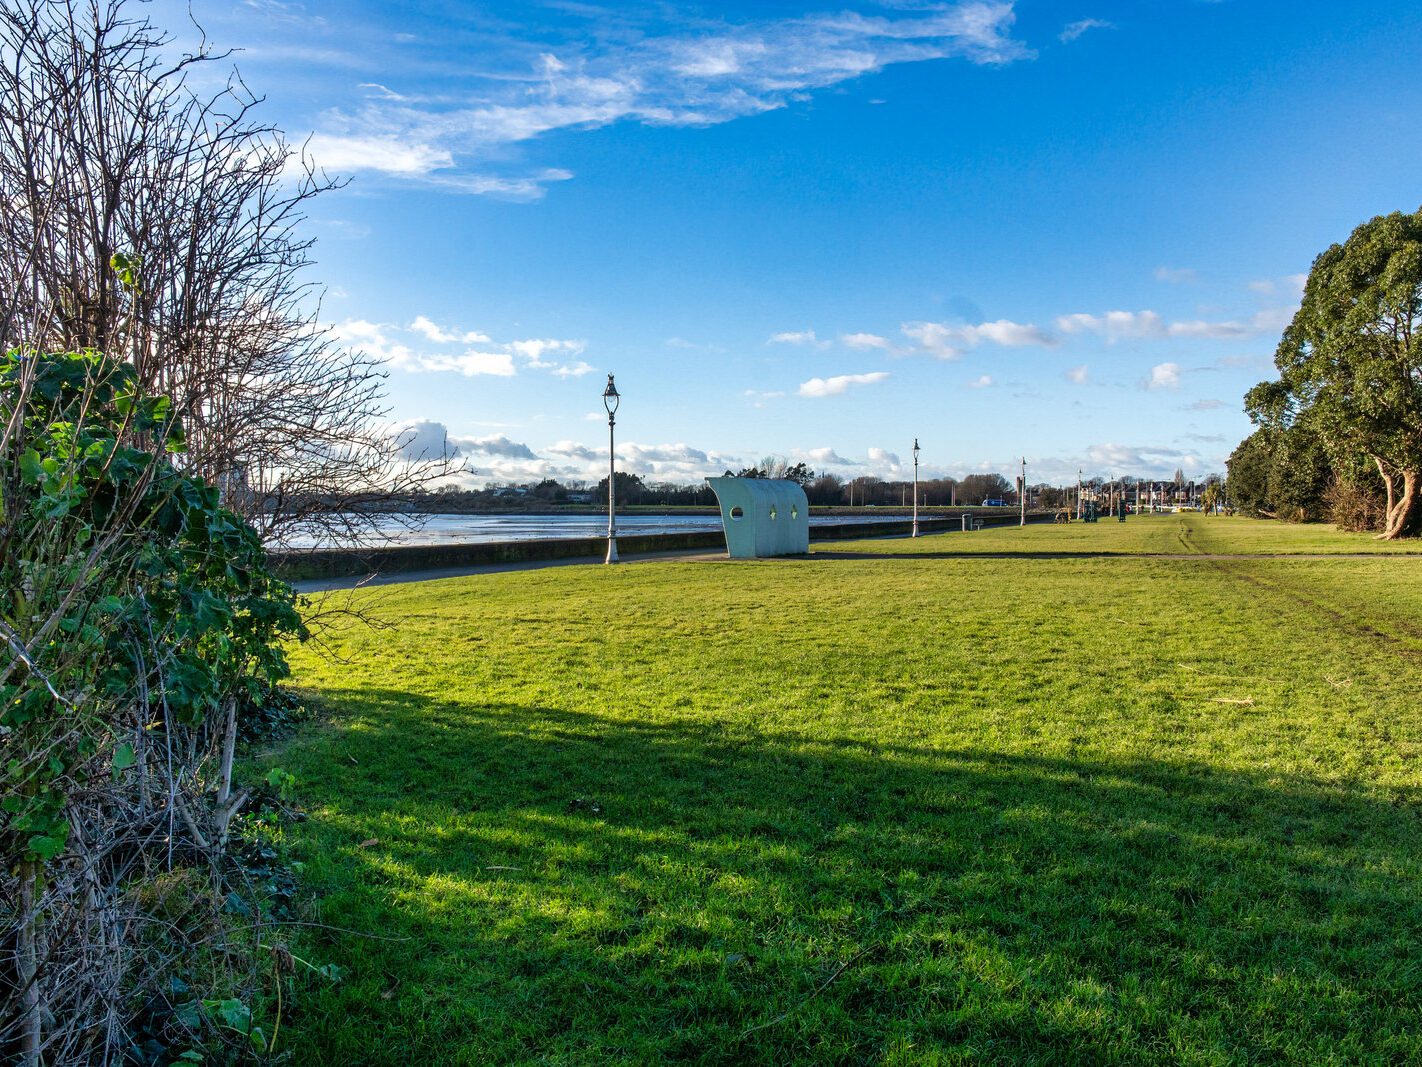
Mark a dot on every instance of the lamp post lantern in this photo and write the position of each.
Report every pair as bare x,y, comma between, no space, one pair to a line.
915,487
610,398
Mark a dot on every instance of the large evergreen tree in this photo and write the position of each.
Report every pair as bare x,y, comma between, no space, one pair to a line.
1350,363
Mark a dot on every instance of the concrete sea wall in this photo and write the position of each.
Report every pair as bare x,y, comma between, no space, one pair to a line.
394,559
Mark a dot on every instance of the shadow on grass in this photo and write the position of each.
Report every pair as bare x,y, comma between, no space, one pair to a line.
1004,554
582,890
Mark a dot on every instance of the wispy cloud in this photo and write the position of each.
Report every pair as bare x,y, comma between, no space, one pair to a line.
438,335
797,337
678,342
1176,276
981,383
675,73
865,341
819,387
1151,325
1076,375
1072,30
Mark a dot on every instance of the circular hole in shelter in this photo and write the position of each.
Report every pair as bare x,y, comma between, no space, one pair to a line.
737,514
772,511
794,511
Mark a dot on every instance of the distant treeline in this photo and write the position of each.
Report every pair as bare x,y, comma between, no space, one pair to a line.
822,490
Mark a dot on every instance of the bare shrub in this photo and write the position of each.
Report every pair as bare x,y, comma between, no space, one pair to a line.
1354,508
107,149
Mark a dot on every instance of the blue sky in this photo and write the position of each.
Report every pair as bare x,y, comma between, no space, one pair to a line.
1070,231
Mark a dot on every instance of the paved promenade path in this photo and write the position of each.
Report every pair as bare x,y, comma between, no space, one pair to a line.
327,585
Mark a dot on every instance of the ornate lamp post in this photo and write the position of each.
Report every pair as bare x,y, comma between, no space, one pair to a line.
1022,495
610,398
915,487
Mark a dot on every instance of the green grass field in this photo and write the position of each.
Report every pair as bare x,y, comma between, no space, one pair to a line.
882,805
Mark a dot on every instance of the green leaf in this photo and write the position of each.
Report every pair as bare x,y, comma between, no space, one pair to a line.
31,470
47,848
124,758
233,1013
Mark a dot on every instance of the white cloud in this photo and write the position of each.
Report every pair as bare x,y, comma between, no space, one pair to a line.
882,457
573,370
574,450
534,349
1114,325
826,457
1076,374
1072,30
1113,458
399,347
1012,334
497,445
864,341
388,154
1164,376
1181,276
1206,405
660,69
1263,285
950,341
667,462
1151,325
441,336
982,383
797,337
425,439
470,363
818,387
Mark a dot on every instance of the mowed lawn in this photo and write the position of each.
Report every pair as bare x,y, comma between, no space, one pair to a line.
876,806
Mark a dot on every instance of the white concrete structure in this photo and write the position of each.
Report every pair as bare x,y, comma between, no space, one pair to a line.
763,517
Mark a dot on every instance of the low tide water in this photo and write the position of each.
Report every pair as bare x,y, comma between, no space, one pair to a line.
483,529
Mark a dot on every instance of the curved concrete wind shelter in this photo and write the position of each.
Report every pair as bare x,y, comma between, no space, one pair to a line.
763,517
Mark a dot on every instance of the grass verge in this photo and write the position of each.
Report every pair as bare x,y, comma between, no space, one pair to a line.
1036,809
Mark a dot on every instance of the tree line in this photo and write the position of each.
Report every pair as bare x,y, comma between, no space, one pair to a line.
821,489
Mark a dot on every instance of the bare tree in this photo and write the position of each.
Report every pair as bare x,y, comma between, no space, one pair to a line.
147,219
